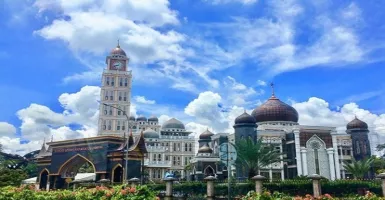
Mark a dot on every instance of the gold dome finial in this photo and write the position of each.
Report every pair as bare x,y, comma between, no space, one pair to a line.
118,44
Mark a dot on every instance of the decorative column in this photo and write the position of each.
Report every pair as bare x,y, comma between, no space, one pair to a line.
316,185
304,160
210,187
169,181
297,151
258,183
48,182
271,173
382,177
336,156
134,182
331,164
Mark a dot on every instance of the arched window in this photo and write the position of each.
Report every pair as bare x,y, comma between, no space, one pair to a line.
315,145
125,96
104,125
125,82
112,81
120,96
109,125
118,125
190,147
111,95
105,109
107,80
120,81
358,147
185,147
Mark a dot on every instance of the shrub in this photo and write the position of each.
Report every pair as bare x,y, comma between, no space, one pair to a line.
105,193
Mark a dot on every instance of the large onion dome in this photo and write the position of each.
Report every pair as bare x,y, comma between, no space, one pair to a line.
357,124
173,123
118,51
245,118
275,110
141,118
205,149
153,119
149,133
206,135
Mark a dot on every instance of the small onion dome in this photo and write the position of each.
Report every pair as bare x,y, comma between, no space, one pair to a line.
205,149
206,135
275,110
357,124
149,133
153,119
118,51
132,118
245,118
173,123
141,118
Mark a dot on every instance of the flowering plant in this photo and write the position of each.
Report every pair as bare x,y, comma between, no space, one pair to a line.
100,192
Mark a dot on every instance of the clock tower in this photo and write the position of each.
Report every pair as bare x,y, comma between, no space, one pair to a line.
116,93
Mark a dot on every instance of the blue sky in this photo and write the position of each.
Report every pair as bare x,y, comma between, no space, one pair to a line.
187,57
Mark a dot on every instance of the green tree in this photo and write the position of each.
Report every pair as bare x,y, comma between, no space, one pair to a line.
86,168
378,164
30,169
256,155
11,177
358,168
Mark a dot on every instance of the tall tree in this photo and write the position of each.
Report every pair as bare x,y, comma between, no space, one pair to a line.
256,155
358,168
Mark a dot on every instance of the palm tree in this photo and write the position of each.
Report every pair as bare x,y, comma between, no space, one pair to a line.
256,155
358,168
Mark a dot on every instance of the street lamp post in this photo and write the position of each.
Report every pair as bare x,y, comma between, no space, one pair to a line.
129,128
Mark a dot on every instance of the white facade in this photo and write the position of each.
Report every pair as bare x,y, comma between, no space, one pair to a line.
116,92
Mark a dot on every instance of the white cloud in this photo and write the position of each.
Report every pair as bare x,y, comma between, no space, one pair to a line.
261,83
245,2
143,100
237,93
7,129
316,111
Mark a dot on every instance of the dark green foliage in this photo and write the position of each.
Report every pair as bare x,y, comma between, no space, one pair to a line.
359,168
256,155
11,177
339,188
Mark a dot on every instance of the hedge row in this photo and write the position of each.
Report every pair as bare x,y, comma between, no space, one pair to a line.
339,188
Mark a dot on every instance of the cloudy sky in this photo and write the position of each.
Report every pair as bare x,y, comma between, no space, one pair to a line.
201,61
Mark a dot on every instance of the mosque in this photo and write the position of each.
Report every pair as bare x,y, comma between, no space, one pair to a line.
128,146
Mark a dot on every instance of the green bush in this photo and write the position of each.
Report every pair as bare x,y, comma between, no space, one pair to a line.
114,193
339,188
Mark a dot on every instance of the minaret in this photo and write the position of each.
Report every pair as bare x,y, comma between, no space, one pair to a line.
359,131
116,92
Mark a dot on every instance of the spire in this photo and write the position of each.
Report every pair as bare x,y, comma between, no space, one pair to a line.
51,138
118,46
130,139
244,110
272,89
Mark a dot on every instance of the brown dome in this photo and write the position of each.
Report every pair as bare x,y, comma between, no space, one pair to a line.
275,110
118,51
245,118
206,135
357,124
205,149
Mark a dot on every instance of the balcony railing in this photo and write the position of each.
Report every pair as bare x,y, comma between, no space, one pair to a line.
157,149
157,163
176,137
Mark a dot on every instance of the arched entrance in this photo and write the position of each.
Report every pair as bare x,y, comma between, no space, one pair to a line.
209,171
71,167
43,179
117,174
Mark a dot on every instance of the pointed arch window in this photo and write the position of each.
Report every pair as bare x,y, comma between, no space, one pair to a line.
358,147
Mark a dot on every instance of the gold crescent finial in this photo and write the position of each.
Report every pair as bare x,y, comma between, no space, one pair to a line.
272,89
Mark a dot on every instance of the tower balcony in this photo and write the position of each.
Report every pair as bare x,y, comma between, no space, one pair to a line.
161,164
157,149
